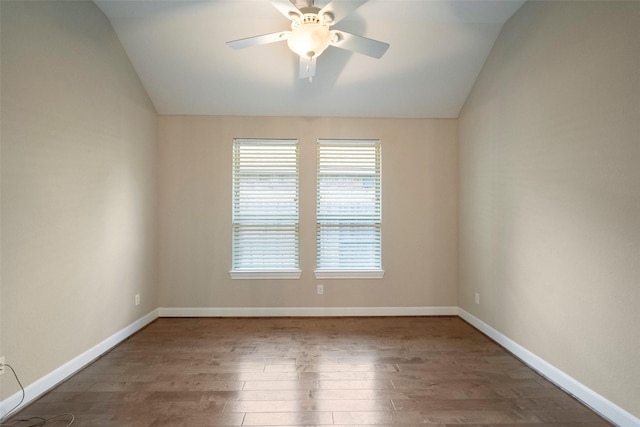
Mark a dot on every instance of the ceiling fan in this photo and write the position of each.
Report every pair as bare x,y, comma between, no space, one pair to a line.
311,32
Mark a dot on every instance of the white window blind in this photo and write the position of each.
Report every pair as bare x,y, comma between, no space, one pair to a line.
265,206
349,206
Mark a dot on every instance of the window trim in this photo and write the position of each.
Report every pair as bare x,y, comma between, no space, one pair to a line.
349,273
267,273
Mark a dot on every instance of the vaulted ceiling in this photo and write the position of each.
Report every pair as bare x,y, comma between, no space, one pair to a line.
179,50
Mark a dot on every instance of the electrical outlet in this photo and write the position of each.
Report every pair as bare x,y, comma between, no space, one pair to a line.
137,299
477,298
320,289
2,365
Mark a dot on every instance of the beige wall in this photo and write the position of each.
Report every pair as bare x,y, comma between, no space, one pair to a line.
1,347
78,186
550,191
419,159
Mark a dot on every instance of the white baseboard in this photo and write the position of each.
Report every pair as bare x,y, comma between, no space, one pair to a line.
44,384
305,311
599,404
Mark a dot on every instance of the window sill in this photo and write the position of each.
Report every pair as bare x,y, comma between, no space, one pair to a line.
349,274
264,274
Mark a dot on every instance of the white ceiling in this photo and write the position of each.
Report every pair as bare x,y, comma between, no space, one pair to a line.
437,50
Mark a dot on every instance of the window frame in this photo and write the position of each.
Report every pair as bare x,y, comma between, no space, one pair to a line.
291,271
366,272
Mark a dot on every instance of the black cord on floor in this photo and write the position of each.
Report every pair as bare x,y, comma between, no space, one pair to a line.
21,399
38,421
33,421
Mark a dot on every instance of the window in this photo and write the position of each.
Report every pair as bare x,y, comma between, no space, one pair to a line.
265,209
349,209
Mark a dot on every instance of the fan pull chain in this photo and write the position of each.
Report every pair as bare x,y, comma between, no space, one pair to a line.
310,58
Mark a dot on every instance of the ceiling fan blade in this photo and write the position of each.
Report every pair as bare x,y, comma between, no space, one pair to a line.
287,9
307,68
359,44
339,9
258,40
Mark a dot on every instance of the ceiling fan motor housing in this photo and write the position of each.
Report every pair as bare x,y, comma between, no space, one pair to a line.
310,35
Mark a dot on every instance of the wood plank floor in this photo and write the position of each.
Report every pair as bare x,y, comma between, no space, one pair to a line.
405,371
